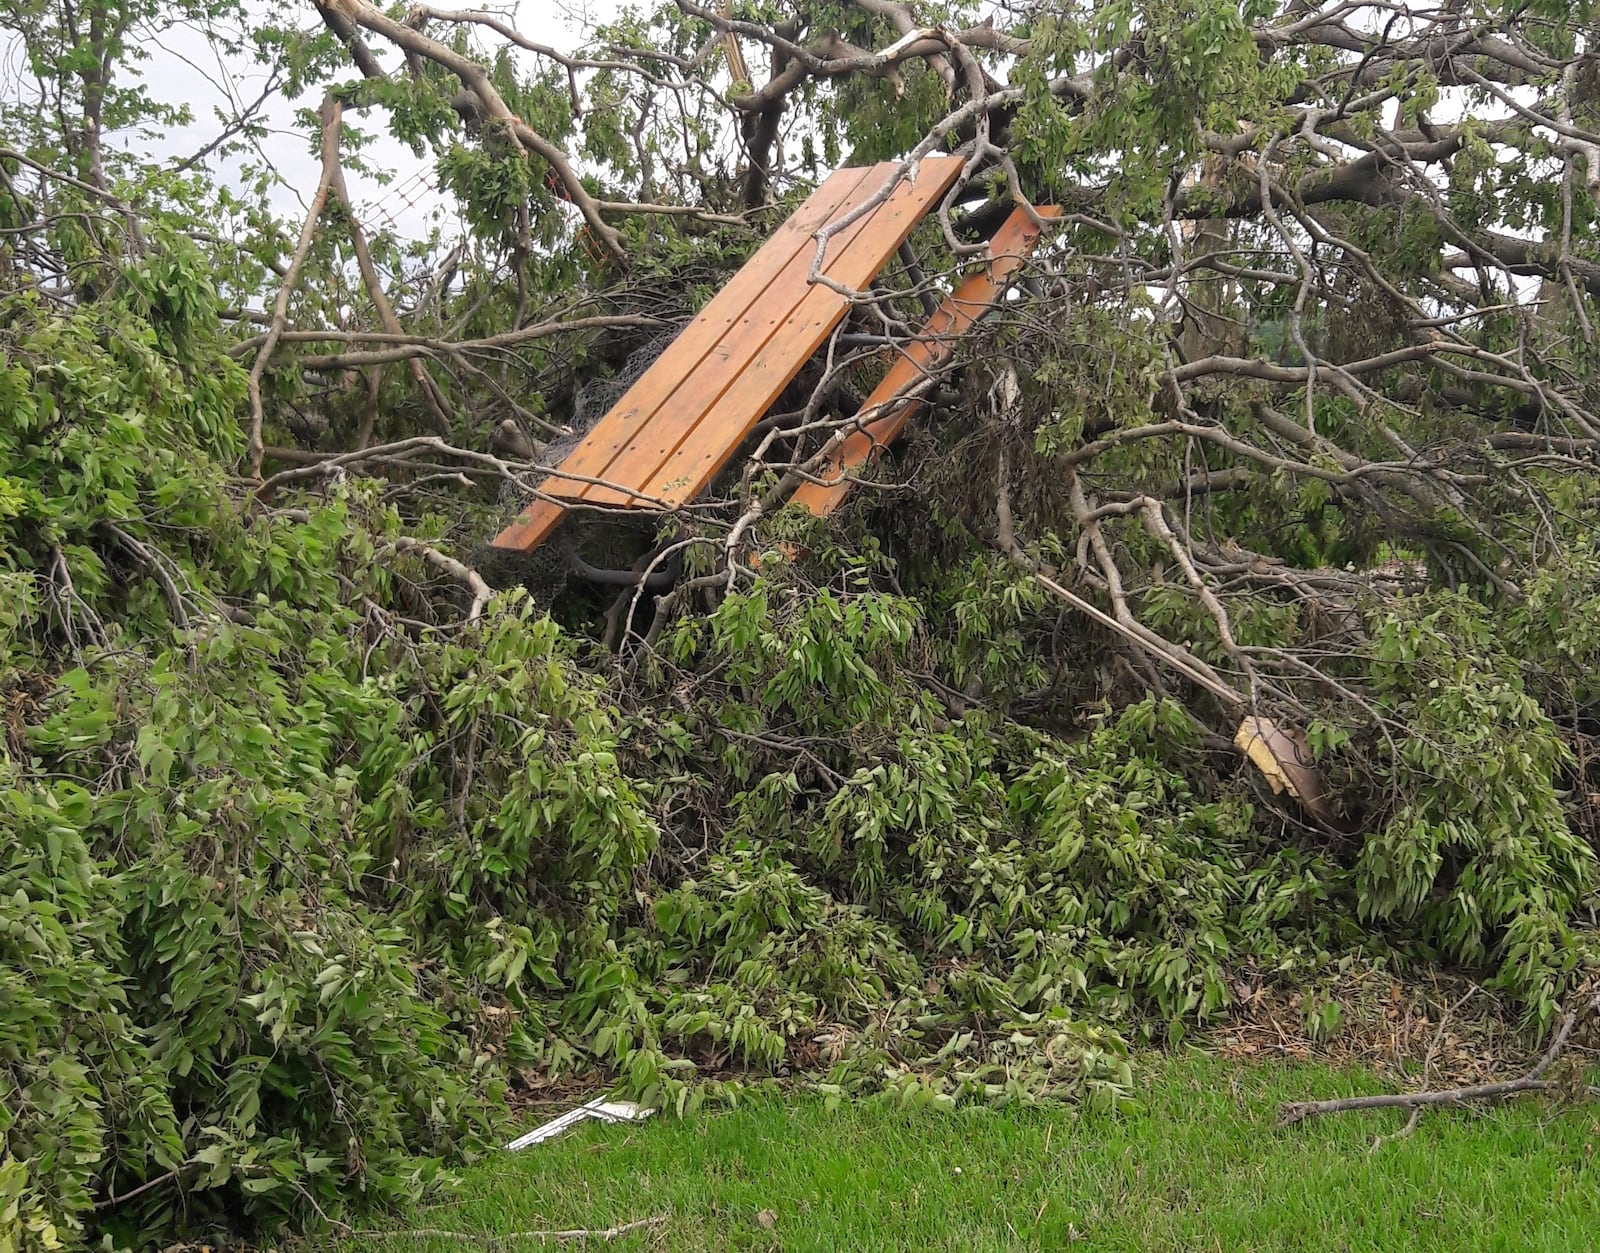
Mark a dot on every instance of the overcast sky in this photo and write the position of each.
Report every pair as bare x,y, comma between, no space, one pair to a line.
185,69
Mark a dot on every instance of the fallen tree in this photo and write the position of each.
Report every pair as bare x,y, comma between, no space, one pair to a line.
327,820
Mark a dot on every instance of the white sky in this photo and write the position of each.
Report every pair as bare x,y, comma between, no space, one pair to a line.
187,70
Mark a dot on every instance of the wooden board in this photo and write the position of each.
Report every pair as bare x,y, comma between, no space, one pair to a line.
689,445
931,349
532,527
676,364
675,428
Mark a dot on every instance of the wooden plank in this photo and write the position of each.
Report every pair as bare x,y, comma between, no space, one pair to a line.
932,348
531,528
678,362
721,369
690,448
703,344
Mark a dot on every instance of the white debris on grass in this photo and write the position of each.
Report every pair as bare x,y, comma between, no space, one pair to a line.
600,1108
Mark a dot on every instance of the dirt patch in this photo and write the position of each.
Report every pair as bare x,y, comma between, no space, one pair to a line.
1444,1030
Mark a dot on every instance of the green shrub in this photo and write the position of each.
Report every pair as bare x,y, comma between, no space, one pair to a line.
300,871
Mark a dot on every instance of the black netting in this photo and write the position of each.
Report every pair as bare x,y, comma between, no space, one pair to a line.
545,570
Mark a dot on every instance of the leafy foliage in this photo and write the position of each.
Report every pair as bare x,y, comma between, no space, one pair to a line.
306,868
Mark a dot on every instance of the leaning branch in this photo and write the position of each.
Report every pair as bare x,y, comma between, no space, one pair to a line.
332,112
476,79
460,571
380,300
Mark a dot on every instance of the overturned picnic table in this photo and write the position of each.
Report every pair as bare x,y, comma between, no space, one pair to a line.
661,445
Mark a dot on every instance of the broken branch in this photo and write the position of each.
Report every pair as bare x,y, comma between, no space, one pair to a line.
1533,1081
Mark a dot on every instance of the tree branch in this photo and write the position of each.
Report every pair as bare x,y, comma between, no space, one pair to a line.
1532,1081
476,79
462,573
332,112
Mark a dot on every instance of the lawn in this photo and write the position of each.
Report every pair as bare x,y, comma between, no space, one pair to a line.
1201,1165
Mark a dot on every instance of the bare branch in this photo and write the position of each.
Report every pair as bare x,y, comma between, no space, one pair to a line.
1532,1081
332,111
462,573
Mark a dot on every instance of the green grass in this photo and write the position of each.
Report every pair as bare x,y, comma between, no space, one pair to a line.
1203,1165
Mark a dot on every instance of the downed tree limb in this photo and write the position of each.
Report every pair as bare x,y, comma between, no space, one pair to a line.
437,405
332,112
154,562
476,80
408,345
460,571
1533,1081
